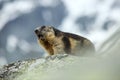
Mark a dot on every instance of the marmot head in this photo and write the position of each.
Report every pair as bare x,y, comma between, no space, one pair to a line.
45,32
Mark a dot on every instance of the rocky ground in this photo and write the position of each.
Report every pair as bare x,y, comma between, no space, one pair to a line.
104,66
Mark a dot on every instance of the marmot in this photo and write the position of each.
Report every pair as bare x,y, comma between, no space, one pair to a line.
58,42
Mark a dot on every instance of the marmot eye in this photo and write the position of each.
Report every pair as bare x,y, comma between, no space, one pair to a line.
44,29
50,28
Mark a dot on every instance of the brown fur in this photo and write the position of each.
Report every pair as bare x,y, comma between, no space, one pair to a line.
56,42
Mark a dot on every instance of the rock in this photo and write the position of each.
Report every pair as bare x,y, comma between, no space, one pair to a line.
12,71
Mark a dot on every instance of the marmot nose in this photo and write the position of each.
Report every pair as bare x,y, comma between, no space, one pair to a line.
36,31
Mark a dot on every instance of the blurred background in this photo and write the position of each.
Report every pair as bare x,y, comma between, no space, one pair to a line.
95,19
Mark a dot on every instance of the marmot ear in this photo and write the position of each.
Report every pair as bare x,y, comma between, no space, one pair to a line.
57,32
